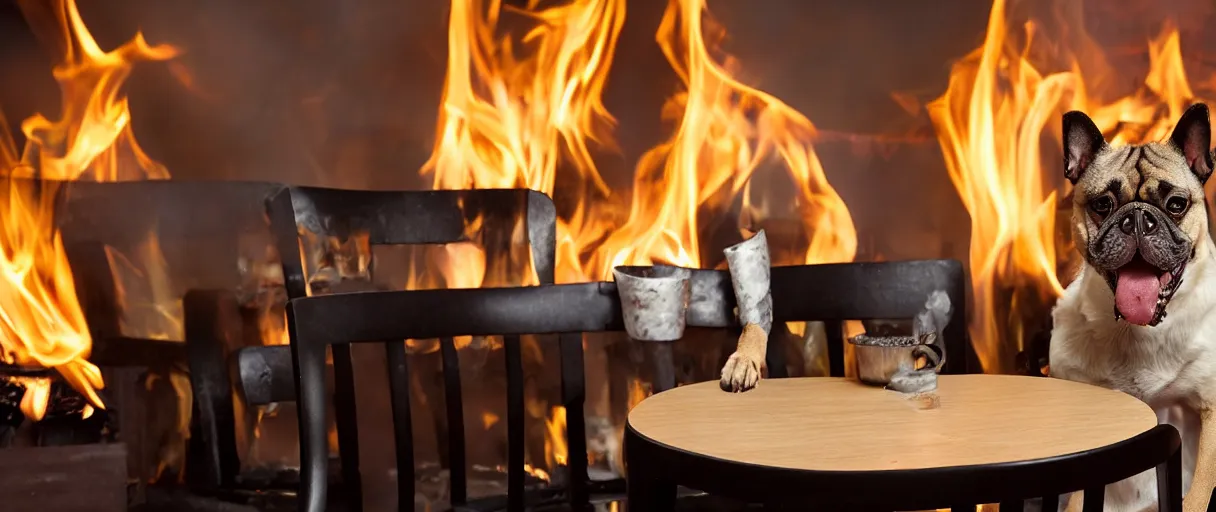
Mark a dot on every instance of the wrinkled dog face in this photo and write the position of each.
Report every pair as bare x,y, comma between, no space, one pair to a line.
1138,211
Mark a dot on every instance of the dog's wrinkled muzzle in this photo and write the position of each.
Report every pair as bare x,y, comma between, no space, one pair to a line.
1142,253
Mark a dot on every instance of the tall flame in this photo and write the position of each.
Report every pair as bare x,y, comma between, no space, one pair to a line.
515,111
510,121
41,322
990,123
505,121
727,130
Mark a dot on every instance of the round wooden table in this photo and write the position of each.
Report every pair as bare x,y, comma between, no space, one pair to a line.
837,443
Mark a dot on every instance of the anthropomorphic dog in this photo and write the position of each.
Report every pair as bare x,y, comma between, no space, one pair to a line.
1141,316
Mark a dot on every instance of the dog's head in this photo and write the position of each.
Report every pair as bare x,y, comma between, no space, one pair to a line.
1139,211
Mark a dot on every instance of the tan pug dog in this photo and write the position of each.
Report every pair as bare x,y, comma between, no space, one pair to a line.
1141,316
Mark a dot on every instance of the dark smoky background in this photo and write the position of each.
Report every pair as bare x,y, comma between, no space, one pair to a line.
346,93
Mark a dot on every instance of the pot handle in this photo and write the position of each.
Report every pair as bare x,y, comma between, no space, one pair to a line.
935,357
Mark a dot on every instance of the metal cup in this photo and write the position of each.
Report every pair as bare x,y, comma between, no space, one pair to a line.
879,358
654,300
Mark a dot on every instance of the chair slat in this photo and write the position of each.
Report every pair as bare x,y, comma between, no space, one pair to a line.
1095,499
515,423
347,423
458,484
574,395
835,339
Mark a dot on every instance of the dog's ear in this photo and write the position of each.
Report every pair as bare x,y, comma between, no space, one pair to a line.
1193,137
1082,141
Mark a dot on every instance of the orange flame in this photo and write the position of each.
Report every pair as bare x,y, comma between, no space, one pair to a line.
509,121
990,123
514,111
726,132
40,318
505,120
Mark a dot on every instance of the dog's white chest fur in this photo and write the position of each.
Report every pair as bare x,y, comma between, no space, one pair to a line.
1171,367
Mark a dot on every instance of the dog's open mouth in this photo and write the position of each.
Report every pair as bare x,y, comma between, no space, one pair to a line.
1142,291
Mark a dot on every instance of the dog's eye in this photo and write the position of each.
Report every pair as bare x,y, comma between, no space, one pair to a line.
1176,205
1101,205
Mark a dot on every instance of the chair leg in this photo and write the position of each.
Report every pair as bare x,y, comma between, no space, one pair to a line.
1169,484
314,453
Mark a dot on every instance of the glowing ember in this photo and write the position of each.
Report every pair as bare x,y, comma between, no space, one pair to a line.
990,123
41,323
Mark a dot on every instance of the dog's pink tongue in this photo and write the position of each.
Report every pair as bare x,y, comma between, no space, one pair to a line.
1136,292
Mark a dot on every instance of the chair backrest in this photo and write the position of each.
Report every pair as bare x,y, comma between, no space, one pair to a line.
823,292
414,218
198,227
405,218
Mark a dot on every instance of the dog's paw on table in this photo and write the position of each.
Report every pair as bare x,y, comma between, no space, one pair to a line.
740,373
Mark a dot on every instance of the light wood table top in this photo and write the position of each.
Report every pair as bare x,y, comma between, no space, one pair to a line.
832,424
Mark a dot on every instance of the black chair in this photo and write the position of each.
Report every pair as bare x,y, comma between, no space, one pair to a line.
821,292
413,218
86,214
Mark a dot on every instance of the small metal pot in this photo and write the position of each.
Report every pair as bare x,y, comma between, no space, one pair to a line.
879,358
654,300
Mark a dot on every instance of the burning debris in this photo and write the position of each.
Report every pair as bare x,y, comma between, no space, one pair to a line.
53,401
43,324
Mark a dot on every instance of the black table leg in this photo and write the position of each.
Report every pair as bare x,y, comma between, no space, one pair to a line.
649,493
647,488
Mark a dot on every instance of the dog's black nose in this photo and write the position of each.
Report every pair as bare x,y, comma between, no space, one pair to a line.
1148,223
1129,222
1138,222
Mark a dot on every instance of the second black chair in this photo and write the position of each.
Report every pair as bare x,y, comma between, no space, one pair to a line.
413,218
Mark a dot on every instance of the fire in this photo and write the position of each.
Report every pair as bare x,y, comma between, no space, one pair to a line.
515,110
727,130
505,121
990,122
556,449
510,121
41,323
